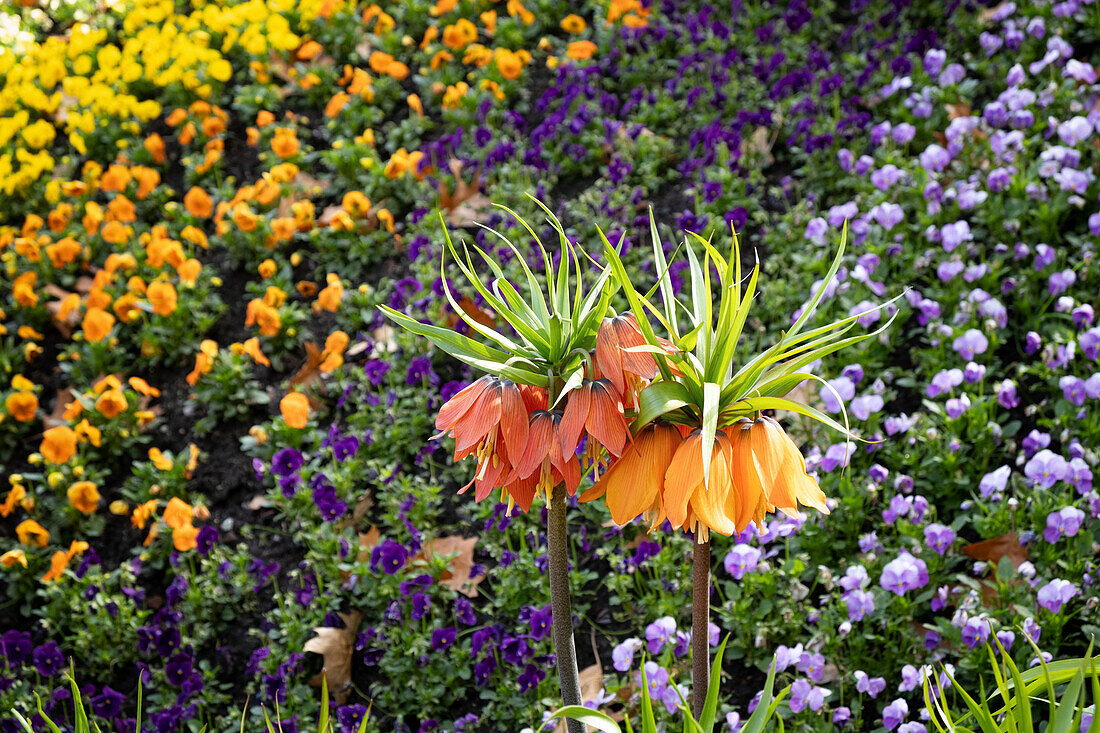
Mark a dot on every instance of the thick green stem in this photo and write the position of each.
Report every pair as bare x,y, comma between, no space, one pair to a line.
700,626
565,653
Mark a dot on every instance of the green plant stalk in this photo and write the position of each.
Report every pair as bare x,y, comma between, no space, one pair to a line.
565,652
700,623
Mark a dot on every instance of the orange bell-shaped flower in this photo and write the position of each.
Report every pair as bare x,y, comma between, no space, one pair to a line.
635,483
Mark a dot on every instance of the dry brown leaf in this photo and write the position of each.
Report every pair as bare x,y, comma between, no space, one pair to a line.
362,507
759,143
65,395
482,316
328,214
466,204
992,550
367,542
336,646
954,111
470,211
68,325
257,502
458,576
385,339
985,15
591,682
310,372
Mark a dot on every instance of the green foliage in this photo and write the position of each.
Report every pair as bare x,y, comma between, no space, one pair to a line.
1059,687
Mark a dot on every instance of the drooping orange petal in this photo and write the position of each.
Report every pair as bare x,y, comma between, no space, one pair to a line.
794,484
540,441
523,491
765,435
482,417
746,475
606,422
640,473
458,405
684,473
609,356
708,502
577,407
513,419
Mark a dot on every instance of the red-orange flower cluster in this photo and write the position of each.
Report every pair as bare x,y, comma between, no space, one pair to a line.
525,446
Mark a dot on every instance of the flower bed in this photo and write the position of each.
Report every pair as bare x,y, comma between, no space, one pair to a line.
220,464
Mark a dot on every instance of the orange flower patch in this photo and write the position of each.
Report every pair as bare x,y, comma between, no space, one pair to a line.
263,315
189,270
58,444
162,296
97,324
13,557
60,560
14,497
22,406
198,203
295,409
142,387
63,251
204,361
580,50
155,145
111,403
329,297
456,36
285,143
22,289
336,104
161,461
573,24
251,347
333,355
31,533
86,432
84,497
509,63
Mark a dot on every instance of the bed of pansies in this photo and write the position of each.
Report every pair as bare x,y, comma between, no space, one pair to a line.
220,465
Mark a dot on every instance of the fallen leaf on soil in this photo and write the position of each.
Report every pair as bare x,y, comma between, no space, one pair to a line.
65,326
336,646
986,14
385,339
591,682
458,577
310,372
257,502
362,507
367,542
758,143
955,111
470,211
472,309
65,395
466,204
992,550
329,213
